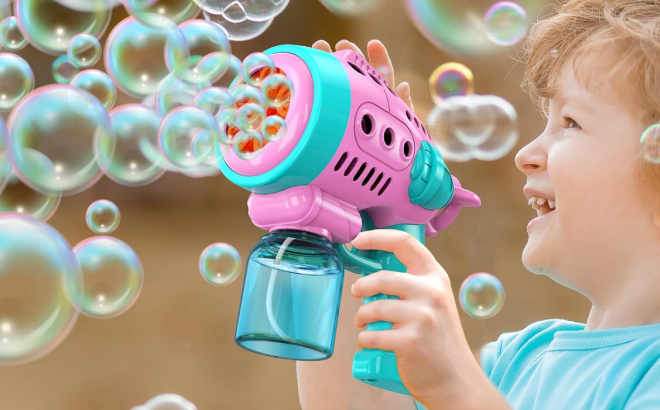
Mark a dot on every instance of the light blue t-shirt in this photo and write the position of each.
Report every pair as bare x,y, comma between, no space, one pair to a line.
555,364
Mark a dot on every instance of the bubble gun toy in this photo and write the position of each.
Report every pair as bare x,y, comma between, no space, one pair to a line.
354,158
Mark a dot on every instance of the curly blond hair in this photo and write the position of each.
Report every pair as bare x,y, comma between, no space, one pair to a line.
629,30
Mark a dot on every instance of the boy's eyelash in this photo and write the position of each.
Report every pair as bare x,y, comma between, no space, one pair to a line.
568,121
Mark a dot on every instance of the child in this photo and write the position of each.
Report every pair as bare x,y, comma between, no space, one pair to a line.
594,69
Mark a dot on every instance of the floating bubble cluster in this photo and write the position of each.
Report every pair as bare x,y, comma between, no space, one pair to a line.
481,295
103,216
40,282
112,275
220,264
473,126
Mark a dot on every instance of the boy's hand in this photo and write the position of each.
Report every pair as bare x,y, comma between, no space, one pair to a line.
379,59
434,359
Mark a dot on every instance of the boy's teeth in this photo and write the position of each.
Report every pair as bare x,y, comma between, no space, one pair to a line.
540,201
536,202
551,203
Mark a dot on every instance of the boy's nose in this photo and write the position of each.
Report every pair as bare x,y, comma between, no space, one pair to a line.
531,157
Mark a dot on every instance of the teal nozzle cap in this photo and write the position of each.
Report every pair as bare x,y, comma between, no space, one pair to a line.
431,185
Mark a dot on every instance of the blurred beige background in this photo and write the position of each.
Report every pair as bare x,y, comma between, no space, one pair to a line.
178,337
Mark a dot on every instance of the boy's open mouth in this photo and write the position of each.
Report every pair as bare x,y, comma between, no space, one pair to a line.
542,205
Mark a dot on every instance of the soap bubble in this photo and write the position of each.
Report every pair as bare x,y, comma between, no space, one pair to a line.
10,36
205,38
156,13
97,83
64,70
138,57
473,120
255,10
66,126
505,133
220,264
276,90
256,67
19,198
231,73
450,79
650,144
112,274
84,50
506,23
273,128
16,80
250,116
49,26
39,280
244,94
136,160
173,92
350,8
5,165
241,31
177,130
473,126
228,125
214,99
458,27
102,216
247,145
481,295
167,402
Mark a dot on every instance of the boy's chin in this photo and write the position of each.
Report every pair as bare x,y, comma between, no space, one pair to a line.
535,258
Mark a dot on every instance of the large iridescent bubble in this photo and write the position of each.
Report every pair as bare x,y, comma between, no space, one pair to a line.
21,199
174,92
90,5
112,274
138,57
458,27
40,282
49,25
239,31
99,84
16,80
66,126
237,11
204,38
136,160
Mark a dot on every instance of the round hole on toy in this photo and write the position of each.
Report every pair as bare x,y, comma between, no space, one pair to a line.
367,124
407,149
388,137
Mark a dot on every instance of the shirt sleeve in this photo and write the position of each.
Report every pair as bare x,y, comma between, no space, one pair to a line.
646,395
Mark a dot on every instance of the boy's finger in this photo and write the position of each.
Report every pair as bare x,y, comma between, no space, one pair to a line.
380,60
347,45
403,91
406,248
387,282
322,45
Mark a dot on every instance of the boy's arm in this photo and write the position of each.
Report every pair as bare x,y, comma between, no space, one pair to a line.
329,384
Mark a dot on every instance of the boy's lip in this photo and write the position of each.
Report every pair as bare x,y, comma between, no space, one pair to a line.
530,192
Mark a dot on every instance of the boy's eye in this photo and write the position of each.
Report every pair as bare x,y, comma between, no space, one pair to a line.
571,123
